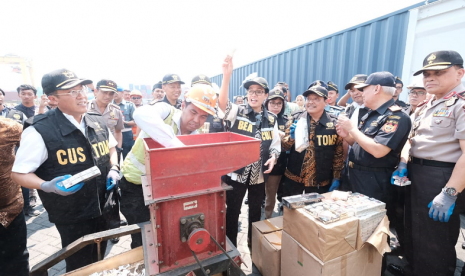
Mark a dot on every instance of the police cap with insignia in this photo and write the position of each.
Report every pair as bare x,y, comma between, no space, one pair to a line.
157,86
316,89
107,85
440,60
61,79
171,78
398,80
379,78
201,79
275,93
259,81
357,79
332,86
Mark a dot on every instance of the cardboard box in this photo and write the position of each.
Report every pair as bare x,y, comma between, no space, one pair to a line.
298,261
266,246
325,241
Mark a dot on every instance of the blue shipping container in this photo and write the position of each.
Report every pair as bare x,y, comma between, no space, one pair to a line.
377,45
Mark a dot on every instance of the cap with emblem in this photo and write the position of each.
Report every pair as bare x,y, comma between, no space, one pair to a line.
201,79
202,96
170,78
107,85
318,83
357,79
135,92
398,80
379,78
440,60
259,81
332,86
316,89
61,79
157,86
275,93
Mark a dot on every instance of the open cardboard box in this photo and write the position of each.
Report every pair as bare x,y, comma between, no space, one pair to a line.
266,246
329,241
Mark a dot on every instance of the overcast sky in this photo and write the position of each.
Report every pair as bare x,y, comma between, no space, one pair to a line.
140,41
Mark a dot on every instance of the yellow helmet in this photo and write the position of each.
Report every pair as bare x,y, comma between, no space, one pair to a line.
202,96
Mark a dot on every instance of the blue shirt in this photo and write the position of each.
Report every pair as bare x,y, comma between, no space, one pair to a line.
128,109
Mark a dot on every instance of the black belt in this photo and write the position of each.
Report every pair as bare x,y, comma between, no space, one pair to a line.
432,163
352,165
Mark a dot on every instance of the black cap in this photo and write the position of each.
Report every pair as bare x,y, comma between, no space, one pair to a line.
170,78
379,78
332,86
275,93
258,80
398,80
440,60
107,85
3,92
357,79
201,79
319,90
157,85
318,83
61,79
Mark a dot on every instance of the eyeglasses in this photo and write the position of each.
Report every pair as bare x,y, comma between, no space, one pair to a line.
75,93
276,104
136,98
256,92
417,93
398,88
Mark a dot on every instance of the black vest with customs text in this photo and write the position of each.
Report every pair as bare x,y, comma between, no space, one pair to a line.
70,152
324,139
246,124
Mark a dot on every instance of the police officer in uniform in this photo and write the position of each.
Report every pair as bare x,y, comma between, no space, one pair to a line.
111,113
435,166
10,113
63,142
333,94
127,108
376,142
171,84
252,120
318,167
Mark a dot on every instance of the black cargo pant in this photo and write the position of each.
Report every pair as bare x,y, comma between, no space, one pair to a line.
71,232
234,199
433,242
133,207
14,257
290,188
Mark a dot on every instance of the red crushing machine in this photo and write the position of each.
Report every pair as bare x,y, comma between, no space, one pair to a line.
182,188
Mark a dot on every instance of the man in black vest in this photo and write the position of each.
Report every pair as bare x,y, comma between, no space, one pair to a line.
252,120
62,142
318,167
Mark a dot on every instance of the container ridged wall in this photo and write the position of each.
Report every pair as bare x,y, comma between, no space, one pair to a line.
377,45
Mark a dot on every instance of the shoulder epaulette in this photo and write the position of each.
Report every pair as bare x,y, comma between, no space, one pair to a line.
461,95
422,103
395,108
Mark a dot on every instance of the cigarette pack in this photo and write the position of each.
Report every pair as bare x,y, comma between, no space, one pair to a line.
81,177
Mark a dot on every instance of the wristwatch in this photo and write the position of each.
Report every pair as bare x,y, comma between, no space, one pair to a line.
450,191
116,165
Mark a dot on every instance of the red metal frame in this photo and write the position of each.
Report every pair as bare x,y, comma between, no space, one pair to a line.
197,167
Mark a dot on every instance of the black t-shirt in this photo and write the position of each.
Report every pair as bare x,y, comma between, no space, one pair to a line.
388,125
